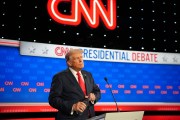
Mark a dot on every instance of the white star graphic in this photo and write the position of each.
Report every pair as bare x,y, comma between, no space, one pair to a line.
32,49
45,51
165,59
175,59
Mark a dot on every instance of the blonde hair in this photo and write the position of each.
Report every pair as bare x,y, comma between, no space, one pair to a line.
72,51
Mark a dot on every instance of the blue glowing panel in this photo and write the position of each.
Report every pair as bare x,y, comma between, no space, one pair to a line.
28,79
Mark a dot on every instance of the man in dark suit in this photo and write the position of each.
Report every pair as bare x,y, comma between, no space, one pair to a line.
67,96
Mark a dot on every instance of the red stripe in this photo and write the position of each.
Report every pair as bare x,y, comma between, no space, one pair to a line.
32,119
10,43
14,109
162,117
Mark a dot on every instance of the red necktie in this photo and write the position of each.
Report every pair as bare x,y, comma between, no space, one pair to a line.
81,83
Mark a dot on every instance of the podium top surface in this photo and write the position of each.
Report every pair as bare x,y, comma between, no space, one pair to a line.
135,115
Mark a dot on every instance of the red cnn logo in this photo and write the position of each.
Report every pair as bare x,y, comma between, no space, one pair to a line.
91,14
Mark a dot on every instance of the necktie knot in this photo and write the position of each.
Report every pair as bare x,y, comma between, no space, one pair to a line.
78,74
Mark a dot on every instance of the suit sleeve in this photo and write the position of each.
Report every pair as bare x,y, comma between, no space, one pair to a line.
95,89
55,96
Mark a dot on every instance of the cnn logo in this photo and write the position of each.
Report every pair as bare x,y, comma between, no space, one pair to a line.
91,13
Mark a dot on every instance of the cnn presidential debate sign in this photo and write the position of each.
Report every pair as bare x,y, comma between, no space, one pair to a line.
97,54
139,80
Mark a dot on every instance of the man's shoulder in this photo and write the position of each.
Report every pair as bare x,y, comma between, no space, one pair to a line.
85,71
62,72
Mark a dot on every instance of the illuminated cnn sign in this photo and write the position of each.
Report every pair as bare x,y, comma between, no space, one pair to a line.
91,14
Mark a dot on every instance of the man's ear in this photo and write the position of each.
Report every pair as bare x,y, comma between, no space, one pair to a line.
69,63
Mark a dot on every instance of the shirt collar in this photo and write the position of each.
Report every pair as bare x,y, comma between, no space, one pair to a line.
74,72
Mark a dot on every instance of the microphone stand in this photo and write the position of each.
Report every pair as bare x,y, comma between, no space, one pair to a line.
112,94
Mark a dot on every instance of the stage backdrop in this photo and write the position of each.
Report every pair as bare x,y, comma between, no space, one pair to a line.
139,80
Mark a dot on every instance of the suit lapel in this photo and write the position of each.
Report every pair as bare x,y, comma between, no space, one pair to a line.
73,80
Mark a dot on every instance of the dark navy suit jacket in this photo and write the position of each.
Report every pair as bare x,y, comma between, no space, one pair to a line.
65,91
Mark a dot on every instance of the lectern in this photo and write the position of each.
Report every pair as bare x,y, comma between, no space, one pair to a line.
135,115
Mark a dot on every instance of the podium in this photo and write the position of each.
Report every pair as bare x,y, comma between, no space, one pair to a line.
135,115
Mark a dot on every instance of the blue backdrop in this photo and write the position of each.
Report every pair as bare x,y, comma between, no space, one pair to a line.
27,79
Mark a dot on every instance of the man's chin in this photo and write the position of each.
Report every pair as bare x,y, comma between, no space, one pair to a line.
82,66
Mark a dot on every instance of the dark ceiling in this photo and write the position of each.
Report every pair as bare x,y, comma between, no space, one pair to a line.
143,25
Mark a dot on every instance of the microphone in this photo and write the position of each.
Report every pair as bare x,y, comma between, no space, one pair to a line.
105,78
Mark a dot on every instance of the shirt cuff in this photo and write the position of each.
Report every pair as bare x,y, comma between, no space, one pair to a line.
72,111
92,102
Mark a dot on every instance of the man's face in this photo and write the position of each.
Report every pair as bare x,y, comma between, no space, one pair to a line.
76,61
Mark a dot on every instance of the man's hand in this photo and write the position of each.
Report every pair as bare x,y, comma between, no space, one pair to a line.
79,107
92,97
